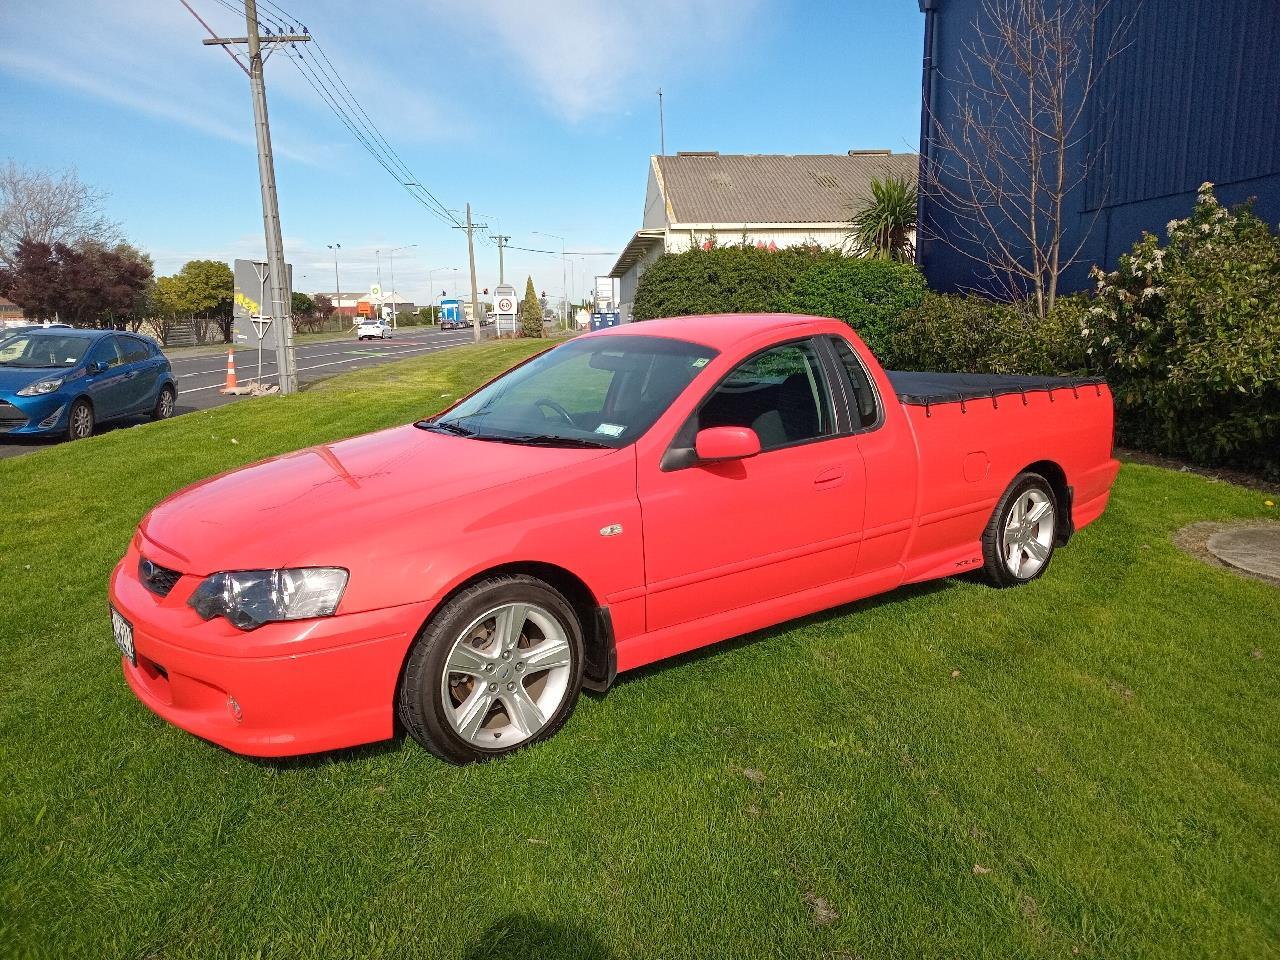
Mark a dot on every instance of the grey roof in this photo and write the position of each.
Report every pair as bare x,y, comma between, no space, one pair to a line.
764,188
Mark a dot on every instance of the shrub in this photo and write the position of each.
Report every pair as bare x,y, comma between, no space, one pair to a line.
970,334
1189,335
866,292
530,312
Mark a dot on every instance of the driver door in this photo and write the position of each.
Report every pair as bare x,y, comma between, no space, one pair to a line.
110,389
722,536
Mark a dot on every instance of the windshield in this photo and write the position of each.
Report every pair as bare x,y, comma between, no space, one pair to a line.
42,350
598,392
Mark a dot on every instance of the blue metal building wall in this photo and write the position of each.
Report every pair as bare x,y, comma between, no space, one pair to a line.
1195,96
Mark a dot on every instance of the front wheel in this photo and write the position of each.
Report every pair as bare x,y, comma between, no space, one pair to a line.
1018,542
80,420
498,668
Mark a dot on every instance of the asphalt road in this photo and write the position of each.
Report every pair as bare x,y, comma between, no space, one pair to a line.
200,378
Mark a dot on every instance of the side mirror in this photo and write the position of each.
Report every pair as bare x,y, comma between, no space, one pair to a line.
726,443
95,367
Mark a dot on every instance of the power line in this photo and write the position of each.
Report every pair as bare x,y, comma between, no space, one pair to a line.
336,94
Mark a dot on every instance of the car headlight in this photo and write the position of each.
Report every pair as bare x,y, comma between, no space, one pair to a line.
41,387
250,598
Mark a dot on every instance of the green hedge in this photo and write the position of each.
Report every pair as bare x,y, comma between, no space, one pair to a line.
1189,335
974,335
866,292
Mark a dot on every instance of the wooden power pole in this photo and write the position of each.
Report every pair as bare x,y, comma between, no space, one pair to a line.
471,228
281,307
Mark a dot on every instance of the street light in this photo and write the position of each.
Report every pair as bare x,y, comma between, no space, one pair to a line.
564,290
431,274
337,285
392,255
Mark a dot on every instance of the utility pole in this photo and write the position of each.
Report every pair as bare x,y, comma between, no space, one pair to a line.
471,228
501,240
281,307
662,127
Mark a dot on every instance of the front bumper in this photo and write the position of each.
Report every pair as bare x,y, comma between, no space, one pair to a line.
285,689
31,416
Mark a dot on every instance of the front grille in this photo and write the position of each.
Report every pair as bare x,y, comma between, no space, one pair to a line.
10,416
159,580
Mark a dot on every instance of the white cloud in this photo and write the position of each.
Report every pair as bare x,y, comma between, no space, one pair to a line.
585,56
148,57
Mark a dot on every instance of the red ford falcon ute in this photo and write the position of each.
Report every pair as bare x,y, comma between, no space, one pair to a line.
626,496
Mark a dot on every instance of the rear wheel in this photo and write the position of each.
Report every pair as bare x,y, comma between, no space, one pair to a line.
1018,542
80,420
165,404
499,667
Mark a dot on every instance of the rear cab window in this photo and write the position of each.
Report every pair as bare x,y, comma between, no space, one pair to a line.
863,402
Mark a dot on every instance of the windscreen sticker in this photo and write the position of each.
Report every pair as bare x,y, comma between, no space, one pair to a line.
701,361
611,429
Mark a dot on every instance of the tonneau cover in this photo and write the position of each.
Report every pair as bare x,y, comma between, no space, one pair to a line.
922,388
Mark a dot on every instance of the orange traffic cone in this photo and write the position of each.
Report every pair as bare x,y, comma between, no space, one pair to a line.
231,372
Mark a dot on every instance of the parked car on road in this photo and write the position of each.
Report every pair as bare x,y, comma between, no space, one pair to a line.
372,329
625,497
59,380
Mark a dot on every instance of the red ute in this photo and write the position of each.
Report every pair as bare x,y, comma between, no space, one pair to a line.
625,497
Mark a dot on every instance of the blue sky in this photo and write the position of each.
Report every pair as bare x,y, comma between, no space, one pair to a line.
542,113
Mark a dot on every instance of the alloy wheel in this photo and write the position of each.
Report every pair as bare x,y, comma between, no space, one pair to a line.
506,676
81,421
1027,538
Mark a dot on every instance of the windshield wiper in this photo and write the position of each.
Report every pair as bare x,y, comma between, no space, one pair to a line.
545,440
445,426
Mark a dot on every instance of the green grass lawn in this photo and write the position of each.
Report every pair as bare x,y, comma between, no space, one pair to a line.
1087,766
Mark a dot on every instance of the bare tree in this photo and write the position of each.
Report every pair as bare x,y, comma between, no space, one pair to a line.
50,208
1023,138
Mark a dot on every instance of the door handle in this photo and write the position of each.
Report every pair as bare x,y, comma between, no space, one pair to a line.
832,477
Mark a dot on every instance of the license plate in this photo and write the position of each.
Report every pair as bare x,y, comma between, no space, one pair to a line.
123,631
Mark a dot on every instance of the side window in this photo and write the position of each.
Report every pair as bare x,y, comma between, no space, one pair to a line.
107,351
781,394
134,350
864,394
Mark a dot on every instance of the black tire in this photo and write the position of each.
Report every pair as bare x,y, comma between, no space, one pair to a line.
419,702
165,403
80,420
999,569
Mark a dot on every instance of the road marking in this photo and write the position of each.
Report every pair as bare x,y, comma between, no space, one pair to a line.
218,386
297,347
250,362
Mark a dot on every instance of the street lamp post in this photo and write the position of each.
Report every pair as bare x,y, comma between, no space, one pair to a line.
337,284
564,289
431,279
392,255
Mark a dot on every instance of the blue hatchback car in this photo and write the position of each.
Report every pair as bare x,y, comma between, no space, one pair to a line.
63,381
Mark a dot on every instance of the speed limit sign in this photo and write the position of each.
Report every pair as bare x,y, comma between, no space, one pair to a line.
505,305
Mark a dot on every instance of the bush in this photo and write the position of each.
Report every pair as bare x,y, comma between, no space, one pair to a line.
530,312
867,293
1189,335
974,335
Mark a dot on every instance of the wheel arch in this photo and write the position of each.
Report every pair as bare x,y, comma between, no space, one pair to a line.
1062,492
599,651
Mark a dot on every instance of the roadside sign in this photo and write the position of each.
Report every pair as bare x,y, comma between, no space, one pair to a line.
252,311
375,291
